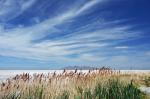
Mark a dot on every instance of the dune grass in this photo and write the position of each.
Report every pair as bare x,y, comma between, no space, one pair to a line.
93,85
113,89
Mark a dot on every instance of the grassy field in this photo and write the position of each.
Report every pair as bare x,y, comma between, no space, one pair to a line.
98,84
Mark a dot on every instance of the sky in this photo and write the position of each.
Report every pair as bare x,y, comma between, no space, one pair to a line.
51,34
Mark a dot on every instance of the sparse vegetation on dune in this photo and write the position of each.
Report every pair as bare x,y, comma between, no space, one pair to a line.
97,84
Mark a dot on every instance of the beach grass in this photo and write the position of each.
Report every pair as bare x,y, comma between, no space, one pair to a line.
101,84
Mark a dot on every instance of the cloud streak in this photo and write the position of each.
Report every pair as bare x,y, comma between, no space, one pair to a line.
11,9
93,42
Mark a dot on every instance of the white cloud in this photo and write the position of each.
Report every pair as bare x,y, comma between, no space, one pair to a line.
10,9
18,42
106,33
26,4
87,6
122,47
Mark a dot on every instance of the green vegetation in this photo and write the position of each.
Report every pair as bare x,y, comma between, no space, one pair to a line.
147,81
100,84
113,89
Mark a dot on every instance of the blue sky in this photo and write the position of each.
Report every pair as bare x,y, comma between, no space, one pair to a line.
51,34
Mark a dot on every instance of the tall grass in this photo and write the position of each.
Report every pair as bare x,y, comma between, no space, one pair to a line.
147,81
113,89
95,85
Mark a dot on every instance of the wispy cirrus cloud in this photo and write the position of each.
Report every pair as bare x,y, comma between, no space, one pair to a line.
10,9
91,42
76,43
20,39
121,47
